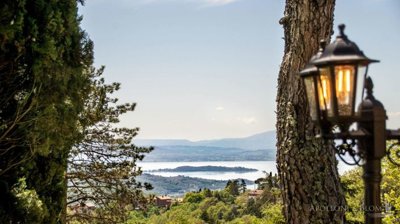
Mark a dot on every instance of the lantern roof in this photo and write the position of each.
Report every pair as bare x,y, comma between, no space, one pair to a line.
342,51
310,68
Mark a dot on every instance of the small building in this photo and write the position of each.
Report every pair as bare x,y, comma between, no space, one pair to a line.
255,193
163,201
82,208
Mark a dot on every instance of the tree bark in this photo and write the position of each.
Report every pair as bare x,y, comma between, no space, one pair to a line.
307,166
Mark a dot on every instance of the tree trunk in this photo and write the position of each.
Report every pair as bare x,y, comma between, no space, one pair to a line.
307,167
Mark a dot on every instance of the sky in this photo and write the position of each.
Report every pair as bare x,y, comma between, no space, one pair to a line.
208,69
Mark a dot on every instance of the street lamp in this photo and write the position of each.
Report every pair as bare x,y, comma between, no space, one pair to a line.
334,79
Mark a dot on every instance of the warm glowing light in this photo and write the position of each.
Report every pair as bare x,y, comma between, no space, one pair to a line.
324,92
348,80
344,92
340,81
343,79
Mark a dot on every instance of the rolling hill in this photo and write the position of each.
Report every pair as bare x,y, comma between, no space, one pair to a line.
264,140
259,147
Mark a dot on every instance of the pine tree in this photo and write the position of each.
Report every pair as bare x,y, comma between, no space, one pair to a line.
243,186
307,166
232,187
102,167
43,86
54,109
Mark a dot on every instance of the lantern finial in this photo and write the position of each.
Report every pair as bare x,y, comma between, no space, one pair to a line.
341,30
322,45
369,85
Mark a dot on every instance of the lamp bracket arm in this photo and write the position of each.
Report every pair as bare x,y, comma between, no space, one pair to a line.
393,151
393,134
347,152
350,135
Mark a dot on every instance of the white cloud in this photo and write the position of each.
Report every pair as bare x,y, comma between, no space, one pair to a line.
394,114
219,108
247,120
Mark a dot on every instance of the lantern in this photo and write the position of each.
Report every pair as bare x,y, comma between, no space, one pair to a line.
334,79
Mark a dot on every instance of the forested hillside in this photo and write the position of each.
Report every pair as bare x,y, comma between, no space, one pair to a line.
235,205
179,185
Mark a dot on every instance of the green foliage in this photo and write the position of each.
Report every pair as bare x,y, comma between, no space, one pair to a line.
183,214
136,217
272,213
222,206
269,181
247,219
232,187
390,189
242,187
252,207
193,197
141,216
28,202
219,213
179,184
43,86
207,193
58,123
102,167
353,186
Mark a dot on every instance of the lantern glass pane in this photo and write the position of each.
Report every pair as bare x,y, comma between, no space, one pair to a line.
361,75
344,80
310,90
324,91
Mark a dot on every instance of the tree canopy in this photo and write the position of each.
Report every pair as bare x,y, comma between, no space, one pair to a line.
102,166
43,84
56,109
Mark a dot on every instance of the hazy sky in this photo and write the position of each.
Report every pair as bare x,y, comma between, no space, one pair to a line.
202,69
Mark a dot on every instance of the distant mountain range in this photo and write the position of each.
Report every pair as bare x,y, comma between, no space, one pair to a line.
264,140
259,147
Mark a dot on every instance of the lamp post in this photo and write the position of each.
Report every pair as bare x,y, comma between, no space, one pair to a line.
334,79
